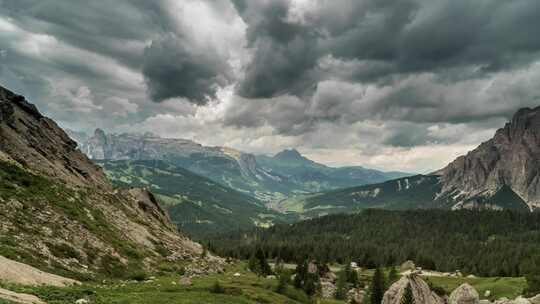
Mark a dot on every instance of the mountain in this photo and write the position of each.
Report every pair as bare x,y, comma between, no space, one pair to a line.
502,173
195,203
509,161
59,213
310,176
266,178
226,166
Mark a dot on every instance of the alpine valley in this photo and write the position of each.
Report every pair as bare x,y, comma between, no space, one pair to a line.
210,189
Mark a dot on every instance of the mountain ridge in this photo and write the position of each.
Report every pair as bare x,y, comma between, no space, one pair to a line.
59,212
265,178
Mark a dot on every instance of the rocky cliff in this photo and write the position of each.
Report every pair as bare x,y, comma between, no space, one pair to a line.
510,159
59,213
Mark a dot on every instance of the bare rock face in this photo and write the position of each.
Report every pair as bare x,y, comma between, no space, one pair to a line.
511,158
420,289
37,143
464,294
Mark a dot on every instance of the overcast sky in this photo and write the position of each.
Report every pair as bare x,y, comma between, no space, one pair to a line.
390,84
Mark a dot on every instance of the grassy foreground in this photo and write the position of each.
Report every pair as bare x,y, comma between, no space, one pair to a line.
246,288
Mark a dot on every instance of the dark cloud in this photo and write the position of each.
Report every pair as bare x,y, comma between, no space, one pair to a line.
284,51
173,68
384,39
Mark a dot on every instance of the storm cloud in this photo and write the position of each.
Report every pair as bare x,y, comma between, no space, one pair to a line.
390,84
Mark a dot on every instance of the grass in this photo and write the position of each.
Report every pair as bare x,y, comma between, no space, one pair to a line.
247,288
244,289
499,286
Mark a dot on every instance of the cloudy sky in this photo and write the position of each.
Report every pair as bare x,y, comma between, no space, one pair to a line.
391,84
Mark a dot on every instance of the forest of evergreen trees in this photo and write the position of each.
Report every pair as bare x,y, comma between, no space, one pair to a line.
484,243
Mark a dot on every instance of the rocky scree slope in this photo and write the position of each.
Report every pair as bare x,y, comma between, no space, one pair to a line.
59,213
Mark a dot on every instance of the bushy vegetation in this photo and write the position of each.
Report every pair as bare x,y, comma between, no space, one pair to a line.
487,243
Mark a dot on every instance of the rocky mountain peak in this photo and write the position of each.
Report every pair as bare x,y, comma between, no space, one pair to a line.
291,156
511,158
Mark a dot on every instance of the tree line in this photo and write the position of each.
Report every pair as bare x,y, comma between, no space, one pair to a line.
483,243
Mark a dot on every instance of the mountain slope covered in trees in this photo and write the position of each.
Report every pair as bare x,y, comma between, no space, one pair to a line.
485,243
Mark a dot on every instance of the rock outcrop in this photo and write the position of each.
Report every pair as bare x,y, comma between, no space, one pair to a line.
510,159
464,294
37,143
420,290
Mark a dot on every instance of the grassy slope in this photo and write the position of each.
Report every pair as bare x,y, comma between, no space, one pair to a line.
499,286
196,204
35,192
247,288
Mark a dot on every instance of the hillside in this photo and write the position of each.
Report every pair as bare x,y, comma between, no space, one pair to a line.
59,213
196,204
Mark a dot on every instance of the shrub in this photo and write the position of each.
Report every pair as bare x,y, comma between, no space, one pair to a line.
217,288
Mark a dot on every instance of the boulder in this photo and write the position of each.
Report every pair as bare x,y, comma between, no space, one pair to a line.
408,265
328,289
186,281
420,290
464,294
355,295
535,299
521,300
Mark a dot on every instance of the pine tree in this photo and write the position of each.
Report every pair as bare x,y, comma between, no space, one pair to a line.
393,275
254,265
300,274
533,277
341,286
407,297
377,287
264,267
282,283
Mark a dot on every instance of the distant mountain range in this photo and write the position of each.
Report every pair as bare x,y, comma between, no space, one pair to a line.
502,173
210,189
263,177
